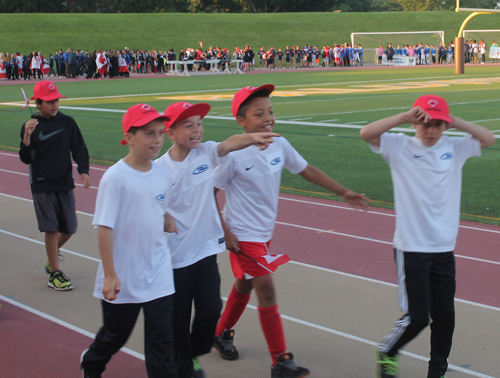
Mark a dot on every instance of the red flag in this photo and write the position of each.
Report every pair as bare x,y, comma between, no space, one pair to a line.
201,44
276,260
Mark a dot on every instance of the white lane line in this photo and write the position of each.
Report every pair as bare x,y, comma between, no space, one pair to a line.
375,240
286,317
65,324
372,212
384,283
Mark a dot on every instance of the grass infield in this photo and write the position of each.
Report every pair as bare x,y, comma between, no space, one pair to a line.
318,112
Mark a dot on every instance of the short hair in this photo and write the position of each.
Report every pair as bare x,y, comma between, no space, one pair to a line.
242,111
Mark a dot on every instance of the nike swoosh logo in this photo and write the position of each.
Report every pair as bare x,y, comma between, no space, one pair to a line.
47,136
417,156
250,167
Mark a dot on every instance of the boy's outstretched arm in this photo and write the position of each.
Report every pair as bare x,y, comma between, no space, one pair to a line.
112,283
318,177
371,133
241,141
483,135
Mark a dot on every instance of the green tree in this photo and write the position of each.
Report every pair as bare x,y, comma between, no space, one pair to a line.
386,6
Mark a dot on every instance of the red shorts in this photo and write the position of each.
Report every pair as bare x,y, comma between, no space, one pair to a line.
245,269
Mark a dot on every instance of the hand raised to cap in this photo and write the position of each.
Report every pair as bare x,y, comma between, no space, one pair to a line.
417,115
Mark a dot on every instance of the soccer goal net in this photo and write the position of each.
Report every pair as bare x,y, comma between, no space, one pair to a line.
372,41
488,36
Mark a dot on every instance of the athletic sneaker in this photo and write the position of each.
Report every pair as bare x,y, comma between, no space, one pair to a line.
85,373
287,368
387,367
47,265
225,345
59,281
198,369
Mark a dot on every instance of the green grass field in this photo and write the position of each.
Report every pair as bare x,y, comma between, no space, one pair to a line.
47,32
318,112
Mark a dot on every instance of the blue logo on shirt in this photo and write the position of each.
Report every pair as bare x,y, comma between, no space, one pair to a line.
160,197
276,161
447,156
202,168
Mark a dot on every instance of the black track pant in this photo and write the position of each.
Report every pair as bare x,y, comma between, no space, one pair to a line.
426,288
119,321
199,282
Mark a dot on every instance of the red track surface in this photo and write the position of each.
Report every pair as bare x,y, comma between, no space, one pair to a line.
300,233
20,326
476,280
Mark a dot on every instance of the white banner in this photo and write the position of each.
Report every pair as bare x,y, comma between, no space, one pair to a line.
495,52
399,60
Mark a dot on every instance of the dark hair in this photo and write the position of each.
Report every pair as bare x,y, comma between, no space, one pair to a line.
242,111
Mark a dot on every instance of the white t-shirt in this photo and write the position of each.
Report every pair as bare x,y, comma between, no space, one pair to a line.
192,204
133,204
252,179
427,189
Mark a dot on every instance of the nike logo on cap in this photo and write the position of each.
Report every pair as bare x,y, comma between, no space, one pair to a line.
47,136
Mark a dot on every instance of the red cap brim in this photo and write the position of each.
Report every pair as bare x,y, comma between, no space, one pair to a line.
241,96
201,109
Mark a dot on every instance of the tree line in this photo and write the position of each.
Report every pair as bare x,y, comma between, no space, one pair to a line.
232,6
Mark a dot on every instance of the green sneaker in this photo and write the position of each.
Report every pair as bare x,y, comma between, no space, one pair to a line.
47,265
59,281
198,369
387,367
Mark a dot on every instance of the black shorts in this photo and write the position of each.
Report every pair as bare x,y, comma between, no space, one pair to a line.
55,211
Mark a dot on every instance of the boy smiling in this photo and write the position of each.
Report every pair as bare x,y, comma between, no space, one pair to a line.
200,236
252,181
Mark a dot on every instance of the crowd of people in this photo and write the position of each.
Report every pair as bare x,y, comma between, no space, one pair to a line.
101,64
430,54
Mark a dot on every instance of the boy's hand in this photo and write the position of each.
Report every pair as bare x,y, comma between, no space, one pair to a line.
417,116
232,242
356,200
263,140
28,130
170,225
111,288
86,180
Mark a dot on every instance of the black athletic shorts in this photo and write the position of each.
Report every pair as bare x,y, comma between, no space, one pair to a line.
55,211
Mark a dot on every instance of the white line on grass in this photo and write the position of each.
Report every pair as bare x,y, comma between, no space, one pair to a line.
319,124
65,324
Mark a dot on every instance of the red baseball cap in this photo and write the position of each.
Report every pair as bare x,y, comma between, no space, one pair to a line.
46,91
140,115
240,96
435,106
180,111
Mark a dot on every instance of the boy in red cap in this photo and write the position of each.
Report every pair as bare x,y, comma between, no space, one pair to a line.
427,176
252,180
49,142
200,236
136,270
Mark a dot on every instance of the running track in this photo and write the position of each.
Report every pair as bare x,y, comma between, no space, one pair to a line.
331,235
322,233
